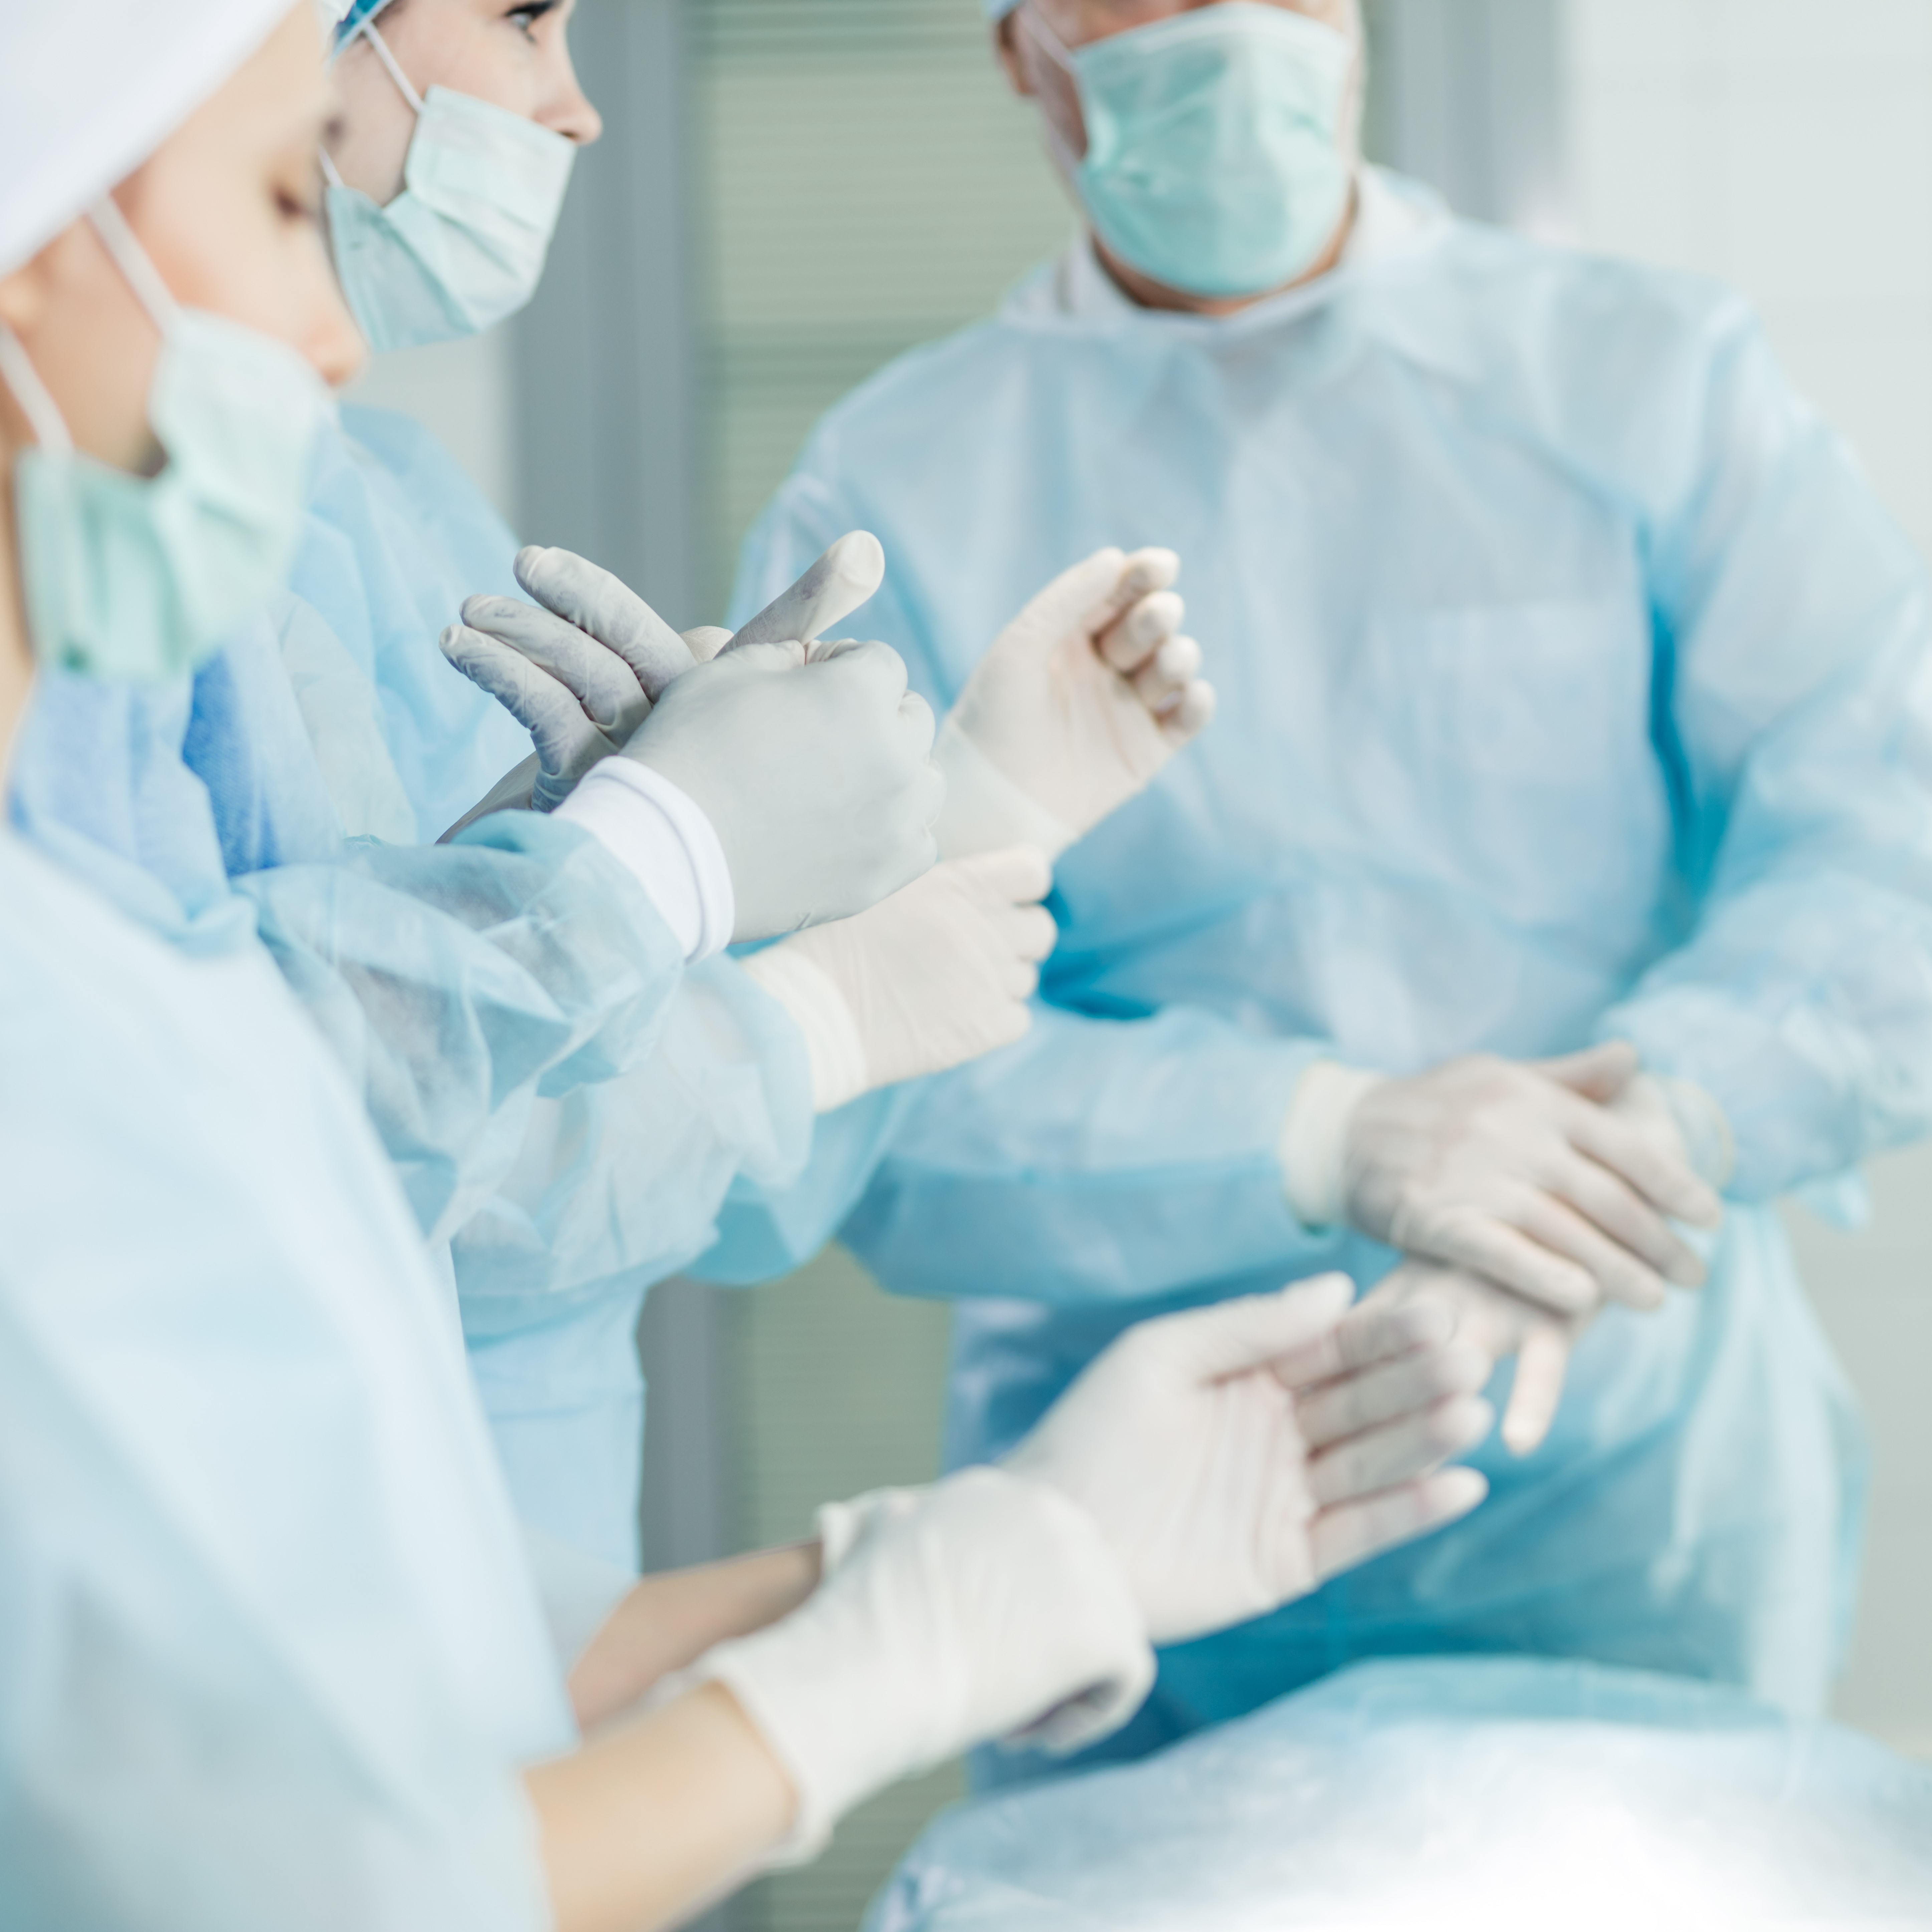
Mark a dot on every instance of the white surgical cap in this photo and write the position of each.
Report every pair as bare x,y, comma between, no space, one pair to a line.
90,88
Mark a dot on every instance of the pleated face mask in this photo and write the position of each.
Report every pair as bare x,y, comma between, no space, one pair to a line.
463,246
142,577
1214,161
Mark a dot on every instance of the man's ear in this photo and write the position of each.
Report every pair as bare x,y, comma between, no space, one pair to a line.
1006,51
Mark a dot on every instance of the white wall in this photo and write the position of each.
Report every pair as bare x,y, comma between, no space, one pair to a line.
1786,145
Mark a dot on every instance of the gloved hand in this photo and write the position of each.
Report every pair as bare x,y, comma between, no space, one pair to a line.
1682,1121
581,669
1235,1457
815,776
1081,701
580,674
1497,1324
987,1606
936,975
1521,1173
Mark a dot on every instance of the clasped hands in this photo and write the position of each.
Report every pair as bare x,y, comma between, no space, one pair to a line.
1527,1197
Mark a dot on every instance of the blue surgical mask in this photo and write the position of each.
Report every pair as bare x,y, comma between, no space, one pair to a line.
1214,161
142,577
463,245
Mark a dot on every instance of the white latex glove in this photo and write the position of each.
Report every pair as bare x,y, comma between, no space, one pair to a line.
1237,1457
580,669
1498,1324
1521,1173
1082,700
1677,1118
815,776
932,977
986,1606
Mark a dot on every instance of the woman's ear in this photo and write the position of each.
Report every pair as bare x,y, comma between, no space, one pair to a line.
25,293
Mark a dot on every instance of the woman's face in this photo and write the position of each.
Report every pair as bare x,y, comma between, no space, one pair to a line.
516,57
228,210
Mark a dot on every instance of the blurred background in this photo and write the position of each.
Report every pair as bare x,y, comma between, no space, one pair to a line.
792,191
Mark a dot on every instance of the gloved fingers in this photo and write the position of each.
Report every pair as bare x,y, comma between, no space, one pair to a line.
1634,1227
1351,1533
1379,1328
1552,1221
1085,598
600,680
1409,1446
1667,1182
705,642
1139,631
920,729
1482,1244
1145,573
606,606
1172,668
544,708
1599,1073
1035,935
830,590
1353,1405
870,672
1542,1364
1189,714
1233,1337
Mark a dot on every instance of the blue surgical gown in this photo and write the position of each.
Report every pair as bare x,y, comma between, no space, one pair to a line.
1573,684
566,1104
272,1654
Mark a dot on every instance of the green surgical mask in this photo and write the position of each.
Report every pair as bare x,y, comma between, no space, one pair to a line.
463,246
142,577
1214,161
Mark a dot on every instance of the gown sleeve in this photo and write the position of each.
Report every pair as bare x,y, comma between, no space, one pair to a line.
1795,708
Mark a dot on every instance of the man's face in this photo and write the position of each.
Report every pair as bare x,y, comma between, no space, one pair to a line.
1078,23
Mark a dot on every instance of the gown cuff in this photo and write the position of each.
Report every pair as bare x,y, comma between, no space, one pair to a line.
659,833
1314,1140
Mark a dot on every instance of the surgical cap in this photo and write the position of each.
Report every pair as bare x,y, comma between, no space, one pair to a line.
998,10
90,88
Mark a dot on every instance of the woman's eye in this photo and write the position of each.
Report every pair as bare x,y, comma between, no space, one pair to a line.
527,17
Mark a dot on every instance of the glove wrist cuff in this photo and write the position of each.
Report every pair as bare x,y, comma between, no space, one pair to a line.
892,1668
811,997
985,810
662,836
1314,1143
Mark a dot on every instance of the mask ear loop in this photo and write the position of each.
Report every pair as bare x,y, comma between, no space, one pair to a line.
35,399
367,30
134,263
1057,51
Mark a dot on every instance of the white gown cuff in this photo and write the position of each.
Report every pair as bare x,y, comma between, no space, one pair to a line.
821,1013
985,810
1314,1140
660,835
